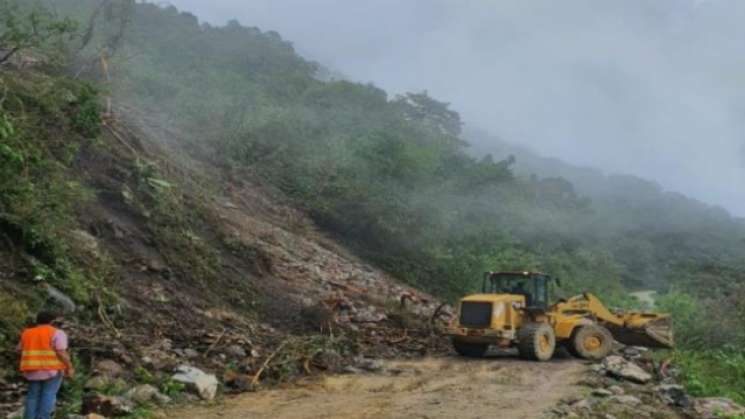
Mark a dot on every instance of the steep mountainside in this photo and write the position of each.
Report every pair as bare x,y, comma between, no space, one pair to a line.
204,197
169,264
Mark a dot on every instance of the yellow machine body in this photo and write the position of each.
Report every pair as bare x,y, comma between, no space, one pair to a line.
495,318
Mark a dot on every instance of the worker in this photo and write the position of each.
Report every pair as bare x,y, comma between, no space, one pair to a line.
45,360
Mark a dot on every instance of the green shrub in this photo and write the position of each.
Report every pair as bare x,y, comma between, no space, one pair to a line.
714,373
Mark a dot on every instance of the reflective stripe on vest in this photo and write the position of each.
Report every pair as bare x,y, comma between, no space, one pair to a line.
37,352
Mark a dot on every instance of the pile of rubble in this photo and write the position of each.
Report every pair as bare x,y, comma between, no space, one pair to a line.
630,383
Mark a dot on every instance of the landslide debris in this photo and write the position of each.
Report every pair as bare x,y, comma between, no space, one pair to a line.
633,384
193,269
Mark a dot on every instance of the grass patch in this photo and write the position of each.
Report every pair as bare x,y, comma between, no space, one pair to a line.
714,373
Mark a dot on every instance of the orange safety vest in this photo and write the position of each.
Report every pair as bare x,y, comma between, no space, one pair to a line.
37,353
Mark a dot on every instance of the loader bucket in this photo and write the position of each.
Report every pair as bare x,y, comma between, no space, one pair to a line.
645,329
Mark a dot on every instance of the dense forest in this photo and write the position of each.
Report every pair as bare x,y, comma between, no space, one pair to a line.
394,177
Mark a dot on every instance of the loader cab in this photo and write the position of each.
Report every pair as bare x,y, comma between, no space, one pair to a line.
536,287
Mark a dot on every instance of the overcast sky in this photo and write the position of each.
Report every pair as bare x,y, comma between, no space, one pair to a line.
653,88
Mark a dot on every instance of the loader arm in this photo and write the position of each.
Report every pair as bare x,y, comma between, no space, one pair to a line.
652,330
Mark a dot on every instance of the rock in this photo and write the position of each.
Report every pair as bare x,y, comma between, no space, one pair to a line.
87,242
583,404
621,368
351,370
145,394
190,353
633,352
601,392
627,400
673,395
106,405
18,414
717,407
236,351
158,360
368,315
205,385
370,365
98,382
60,299
109,368
598,368
617,390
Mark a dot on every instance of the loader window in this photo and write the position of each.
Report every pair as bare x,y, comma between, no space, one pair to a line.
540,297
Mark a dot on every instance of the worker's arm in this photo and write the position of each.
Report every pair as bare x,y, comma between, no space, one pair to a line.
64,356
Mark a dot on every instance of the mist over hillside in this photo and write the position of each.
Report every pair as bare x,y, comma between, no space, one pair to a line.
213,195
647,88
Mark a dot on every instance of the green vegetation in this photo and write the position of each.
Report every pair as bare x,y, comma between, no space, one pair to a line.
392,177
40,137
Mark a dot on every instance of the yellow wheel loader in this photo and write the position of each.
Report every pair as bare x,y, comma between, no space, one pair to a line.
513,310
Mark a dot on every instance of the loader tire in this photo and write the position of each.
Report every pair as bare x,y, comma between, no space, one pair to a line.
591,342
471,350
536,341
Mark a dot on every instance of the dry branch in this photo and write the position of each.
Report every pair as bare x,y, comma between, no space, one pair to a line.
257,376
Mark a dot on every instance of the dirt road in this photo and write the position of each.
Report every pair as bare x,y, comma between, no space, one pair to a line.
451,387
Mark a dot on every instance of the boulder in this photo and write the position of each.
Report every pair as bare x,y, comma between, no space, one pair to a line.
146,393
627,400
633,352
236,351
617,390
351,370
196,380
717,407
106,405
190,353
18,414
86,241
673,395
619,367
369,365
98,383
583,404
109,368
601,392
59,299
368,315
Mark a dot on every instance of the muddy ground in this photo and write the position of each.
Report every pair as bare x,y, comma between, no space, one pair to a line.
444,387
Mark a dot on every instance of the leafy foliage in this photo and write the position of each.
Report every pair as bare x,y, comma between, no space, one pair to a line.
31,27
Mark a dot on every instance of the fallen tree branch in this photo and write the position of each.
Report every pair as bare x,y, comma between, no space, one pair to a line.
257,376
8,55
214,344
435,316
401,339
105,319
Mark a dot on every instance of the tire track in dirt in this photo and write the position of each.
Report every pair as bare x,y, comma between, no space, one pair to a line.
427,388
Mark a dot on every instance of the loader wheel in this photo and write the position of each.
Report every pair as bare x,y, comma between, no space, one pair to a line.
471,350
536,341
591,342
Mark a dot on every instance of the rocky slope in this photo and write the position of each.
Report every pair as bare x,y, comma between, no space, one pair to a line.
202,270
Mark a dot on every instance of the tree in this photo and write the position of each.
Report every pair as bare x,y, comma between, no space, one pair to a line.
422,108
25,27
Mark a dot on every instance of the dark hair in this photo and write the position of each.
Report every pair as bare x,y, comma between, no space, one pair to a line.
46,317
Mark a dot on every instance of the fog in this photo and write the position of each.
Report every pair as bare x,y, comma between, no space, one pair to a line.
652,88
